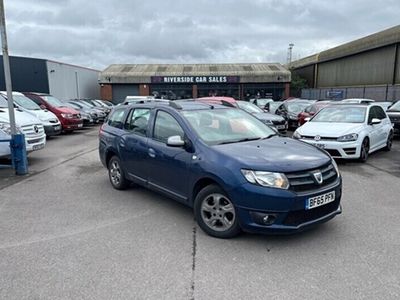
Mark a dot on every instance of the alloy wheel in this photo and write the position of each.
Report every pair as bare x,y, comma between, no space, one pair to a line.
218,212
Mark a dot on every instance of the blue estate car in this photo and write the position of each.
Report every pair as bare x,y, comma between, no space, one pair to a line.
234,170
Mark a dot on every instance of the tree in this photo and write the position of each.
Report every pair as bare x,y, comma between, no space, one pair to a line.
298,83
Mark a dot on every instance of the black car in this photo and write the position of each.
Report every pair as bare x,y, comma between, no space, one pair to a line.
393,113
291,109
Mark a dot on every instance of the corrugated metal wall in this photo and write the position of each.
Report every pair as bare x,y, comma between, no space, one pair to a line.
369,68
70,82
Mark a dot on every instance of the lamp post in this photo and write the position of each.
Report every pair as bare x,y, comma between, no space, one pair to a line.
17,143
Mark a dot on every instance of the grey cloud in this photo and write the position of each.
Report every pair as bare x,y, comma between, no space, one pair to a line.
99,33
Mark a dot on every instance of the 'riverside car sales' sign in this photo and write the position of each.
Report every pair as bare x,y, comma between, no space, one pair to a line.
195,79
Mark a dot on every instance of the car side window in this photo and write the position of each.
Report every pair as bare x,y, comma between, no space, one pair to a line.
372,114
166,126
138,121
116,119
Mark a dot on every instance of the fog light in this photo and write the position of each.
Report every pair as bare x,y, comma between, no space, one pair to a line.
263,218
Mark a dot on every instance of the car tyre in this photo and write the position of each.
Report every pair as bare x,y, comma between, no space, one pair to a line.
116,174
389,142
215,213
364,150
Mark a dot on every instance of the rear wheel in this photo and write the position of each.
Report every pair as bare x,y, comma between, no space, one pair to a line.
364,150
389,142
116,174
215,213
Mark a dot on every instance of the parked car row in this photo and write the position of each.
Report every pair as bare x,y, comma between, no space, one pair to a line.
39,115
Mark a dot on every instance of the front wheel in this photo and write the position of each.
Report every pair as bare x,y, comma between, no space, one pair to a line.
364,150
215,213
389,142
116,174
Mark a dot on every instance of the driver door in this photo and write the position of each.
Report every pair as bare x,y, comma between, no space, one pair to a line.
168,168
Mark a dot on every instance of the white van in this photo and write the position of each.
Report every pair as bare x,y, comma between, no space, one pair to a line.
29,125
51,124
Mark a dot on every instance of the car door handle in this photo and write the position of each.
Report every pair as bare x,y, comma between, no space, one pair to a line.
122,143
152,153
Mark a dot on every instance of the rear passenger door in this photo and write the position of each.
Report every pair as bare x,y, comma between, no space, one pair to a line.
133,144
168,170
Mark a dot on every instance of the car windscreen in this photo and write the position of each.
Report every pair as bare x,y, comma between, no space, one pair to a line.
3,102
297,107
249,107
341,115
223,126
53,101
395,107
25,102
273,106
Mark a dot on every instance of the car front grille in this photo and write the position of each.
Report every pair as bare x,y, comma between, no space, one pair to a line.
297,217
333,152
322,138
304,180
279,122
33,130
394,118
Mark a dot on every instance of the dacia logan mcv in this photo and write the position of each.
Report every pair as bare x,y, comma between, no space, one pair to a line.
232,169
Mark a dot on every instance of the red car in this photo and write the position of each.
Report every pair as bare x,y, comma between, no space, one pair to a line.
70,118
311,110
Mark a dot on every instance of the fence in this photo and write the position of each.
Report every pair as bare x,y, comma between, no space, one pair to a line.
378,93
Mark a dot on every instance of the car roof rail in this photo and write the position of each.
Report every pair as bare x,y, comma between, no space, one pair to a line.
174,105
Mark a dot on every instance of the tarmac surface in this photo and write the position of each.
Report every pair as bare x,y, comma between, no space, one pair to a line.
65,233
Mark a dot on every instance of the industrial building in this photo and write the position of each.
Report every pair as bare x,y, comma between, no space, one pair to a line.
178,81
366,68
61,80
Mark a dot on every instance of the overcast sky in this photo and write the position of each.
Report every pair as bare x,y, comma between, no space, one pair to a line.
97,33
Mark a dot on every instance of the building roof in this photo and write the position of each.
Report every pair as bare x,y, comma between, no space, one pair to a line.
142,73
377,40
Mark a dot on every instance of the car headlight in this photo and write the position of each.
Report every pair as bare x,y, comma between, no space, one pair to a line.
348,137
292,117
297,135
6,128
67,116
268,122
336,167
268,179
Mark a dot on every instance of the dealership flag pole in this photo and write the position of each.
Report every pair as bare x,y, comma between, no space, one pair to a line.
17,144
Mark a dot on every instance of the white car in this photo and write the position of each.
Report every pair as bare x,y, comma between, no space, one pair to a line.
51,124
348,130
357,100
30,126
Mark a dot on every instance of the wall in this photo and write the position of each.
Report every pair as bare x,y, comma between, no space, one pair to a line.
27,74
368,68
70,82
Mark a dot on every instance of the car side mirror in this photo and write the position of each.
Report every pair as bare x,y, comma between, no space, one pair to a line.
175,141
42,106
375,121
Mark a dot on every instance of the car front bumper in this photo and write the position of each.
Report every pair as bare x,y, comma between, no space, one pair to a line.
52,129
288,211
346,150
